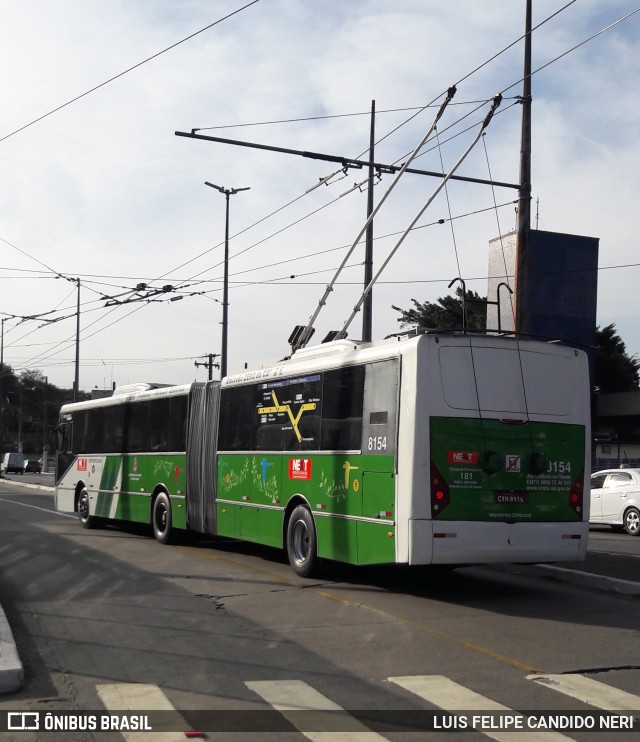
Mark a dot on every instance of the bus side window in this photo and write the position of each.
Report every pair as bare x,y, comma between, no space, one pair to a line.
178,424
159,420
80,432
114,429
236,413
137,427
96,432
342,399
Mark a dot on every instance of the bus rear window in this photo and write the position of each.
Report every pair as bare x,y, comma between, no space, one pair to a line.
508,380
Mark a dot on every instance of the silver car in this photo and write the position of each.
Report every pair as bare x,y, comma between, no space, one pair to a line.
615,499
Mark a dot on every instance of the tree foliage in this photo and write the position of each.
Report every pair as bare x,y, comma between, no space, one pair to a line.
615,369
29,407
447,313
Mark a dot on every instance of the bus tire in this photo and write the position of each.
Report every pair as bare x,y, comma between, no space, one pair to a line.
161,519
84,511
302,544
632,522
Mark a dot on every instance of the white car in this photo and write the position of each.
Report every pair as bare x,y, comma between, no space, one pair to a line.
615,499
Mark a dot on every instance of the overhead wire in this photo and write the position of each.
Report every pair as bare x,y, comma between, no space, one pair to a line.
125,72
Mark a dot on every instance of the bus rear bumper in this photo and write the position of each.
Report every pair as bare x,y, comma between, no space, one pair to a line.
468,542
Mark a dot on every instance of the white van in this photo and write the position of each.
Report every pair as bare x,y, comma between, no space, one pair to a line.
12,462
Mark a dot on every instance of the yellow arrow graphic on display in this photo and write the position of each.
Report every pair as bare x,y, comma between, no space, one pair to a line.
277,407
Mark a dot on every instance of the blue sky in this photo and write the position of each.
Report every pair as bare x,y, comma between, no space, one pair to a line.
103,189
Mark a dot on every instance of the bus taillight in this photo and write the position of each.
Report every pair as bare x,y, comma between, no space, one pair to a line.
439,493
576,494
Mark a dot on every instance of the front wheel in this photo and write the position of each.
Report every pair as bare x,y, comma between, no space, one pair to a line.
161,518
302,547
84,511
632,522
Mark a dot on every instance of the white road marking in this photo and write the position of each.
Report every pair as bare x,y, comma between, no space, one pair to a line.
136,698
450,696
589,691
35,507
295,695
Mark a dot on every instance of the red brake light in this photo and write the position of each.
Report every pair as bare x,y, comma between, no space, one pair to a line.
439,493
576,495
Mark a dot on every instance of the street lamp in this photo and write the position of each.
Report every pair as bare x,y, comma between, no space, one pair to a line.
225,291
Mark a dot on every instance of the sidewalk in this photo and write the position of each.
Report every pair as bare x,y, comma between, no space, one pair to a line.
619,573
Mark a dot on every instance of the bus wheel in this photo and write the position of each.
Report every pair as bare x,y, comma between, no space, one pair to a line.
632,522
84,511
162,519
301,542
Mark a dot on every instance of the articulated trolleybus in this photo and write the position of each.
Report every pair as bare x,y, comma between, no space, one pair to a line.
425,448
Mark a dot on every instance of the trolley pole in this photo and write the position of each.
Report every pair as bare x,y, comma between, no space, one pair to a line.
225,291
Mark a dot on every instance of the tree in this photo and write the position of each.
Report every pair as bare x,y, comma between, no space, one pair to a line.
447,313
615,370
29,406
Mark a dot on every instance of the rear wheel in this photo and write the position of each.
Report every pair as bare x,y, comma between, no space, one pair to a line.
161,518
302,547
632,522
84,511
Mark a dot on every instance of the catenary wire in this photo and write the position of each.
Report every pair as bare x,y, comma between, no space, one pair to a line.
124,72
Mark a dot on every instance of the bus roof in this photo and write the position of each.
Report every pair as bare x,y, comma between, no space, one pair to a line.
125,395
342,352
326,356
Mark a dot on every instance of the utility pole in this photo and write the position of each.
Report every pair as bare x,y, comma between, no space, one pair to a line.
524,190
225,291
367,307
209,364
76,383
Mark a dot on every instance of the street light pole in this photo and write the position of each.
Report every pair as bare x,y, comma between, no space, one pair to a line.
225,291
524,192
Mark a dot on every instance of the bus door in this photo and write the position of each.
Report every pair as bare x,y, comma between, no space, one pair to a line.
61,437
379,426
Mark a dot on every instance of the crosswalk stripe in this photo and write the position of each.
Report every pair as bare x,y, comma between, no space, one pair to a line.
296,695
450,696
138,698
589,691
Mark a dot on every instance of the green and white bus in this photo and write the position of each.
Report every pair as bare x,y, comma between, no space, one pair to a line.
424,448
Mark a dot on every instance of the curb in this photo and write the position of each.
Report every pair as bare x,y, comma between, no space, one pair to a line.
595,581
11,669
27,485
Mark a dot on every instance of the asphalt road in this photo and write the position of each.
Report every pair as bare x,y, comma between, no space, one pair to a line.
212,625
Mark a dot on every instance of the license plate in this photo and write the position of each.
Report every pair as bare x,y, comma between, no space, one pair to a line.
507,497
